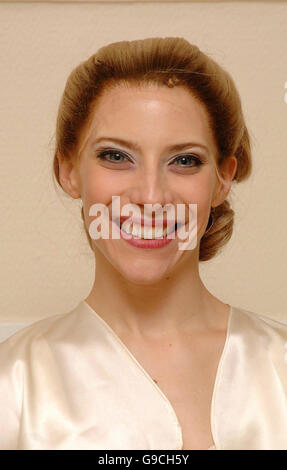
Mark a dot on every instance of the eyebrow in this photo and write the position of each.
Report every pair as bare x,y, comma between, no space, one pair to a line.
136,146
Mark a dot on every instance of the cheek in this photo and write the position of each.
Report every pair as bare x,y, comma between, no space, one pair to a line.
99,184
199,190
96,186
94,190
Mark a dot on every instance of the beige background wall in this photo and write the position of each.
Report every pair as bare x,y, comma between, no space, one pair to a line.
46,266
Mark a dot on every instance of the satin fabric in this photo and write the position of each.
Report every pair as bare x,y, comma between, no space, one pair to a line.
69,382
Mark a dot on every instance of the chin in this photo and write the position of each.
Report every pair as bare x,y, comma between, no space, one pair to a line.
143,275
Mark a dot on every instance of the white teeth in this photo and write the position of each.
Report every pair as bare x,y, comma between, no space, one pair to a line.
144,232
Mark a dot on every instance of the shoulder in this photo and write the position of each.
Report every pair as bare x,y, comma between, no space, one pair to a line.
46,330
261,336
28,361
36,348
260,322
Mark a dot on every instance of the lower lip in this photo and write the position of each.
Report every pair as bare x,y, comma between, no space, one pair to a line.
145,243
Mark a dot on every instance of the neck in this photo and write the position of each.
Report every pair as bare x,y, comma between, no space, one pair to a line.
178,302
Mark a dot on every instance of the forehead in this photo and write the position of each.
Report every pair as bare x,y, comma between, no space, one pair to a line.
151,113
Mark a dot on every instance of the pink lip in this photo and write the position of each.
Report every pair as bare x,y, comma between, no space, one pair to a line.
144,243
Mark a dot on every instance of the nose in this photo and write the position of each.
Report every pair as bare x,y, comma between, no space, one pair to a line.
150,186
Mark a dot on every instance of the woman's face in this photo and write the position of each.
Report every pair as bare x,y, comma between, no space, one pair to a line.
155,119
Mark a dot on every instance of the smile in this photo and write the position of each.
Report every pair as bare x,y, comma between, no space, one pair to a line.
148,232
146,237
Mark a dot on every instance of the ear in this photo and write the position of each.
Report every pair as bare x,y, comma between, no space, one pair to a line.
69,176
227,171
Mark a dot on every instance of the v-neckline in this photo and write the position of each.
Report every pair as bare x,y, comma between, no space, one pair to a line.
158,389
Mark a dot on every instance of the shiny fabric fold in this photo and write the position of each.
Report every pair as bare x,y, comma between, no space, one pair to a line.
69,382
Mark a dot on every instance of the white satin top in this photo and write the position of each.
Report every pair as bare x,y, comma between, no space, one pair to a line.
69,382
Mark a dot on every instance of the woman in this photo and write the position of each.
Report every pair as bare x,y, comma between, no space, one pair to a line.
150,359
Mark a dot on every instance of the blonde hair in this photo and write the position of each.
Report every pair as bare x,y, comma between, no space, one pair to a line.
168,61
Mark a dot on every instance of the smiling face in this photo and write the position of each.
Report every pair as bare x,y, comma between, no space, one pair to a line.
147,170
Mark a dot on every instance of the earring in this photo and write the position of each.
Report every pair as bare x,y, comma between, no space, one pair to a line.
210,220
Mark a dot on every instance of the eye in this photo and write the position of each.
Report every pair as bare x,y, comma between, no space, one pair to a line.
186,159
117,157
